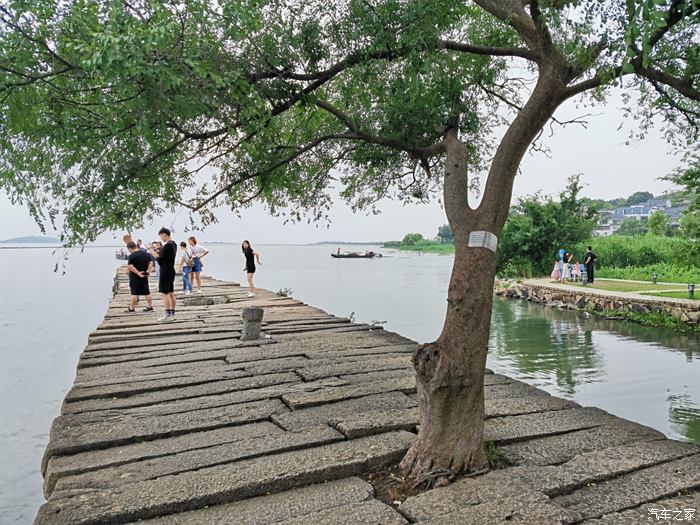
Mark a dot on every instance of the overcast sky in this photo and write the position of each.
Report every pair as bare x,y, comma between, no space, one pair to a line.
610,169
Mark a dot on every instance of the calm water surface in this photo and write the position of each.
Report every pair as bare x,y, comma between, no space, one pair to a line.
646,375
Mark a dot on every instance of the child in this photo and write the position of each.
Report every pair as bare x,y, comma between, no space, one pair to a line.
555,272
576,271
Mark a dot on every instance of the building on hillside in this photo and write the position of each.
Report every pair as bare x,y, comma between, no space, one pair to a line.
610,220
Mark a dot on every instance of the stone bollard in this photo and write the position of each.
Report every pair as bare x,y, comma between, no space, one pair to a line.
252,320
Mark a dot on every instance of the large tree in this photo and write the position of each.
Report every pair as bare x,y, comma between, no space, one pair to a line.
115,111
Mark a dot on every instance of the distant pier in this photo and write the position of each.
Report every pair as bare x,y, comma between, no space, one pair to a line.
184,423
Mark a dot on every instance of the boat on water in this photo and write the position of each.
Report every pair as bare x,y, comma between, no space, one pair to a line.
121,256
355,255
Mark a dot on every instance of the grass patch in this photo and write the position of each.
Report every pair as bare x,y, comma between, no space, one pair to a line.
666,272
494,455
674,295
628,286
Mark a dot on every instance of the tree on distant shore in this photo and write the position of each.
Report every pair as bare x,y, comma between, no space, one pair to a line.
411,238
538,227
445,234
115,112
659,224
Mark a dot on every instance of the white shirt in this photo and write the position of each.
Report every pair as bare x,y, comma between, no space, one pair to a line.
197,250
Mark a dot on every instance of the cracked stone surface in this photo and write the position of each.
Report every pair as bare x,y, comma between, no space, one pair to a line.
184,424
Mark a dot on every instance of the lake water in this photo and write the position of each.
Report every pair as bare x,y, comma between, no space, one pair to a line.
646,375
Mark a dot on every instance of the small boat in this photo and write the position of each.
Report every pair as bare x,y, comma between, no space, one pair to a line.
355,255
121,256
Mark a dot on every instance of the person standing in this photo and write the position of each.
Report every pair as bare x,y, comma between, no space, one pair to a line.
198,253
590,263
139,264
141,246
251,256
166,281
155,246
566,268
186,263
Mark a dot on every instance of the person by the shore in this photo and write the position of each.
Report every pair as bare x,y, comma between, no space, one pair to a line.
565,267
185,265
166,281
556,272
141,246
139,264
198,253
590,263
155,246
576,271
251,256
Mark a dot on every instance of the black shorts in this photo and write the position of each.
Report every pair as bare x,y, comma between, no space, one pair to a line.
166,281
139,286
250,269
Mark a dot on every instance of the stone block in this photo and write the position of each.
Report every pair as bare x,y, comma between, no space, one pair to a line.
274,508
226,483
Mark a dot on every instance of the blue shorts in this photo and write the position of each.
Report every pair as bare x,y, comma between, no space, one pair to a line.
197,265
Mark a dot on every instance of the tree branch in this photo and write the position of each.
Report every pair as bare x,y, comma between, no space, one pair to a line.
357,133
521,52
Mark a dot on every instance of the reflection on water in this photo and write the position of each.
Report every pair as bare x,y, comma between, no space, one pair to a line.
684,415
546,345
637,372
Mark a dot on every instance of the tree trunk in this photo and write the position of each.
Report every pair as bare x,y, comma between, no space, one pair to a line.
450,371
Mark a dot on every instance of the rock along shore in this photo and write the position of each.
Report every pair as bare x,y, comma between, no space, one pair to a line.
576,297
183,423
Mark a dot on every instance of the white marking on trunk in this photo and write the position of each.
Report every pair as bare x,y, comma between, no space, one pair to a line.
481,239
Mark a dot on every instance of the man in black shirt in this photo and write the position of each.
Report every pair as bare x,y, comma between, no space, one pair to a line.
590,263
139,264
166,282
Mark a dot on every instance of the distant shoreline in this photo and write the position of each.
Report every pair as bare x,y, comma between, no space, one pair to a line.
4,245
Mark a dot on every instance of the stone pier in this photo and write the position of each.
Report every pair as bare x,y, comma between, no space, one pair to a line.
185,423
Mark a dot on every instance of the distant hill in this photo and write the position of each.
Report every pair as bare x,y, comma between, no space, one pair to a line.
32,239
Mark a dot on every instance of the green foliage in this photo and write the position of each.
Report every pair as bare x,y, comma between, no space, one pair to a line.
660,319
445,234
659,224
113,113
690,225
425,246
539,226
638,198
621,252
412,238
494,455
632,227
669,273
688,177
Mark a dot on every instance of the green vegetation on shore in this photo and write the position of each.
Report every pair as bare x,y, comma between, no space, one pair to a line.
425,246
538,226
649,319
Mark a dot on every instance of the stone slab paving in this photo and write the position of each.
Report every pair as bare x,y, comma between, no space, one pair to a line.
182,423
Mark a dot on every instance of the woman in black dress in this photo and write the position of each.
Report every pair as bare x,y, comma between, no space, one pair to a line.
251,257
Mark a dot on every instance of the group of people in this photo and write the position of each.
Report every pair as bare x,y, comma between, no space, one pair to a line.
565,270
159,258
